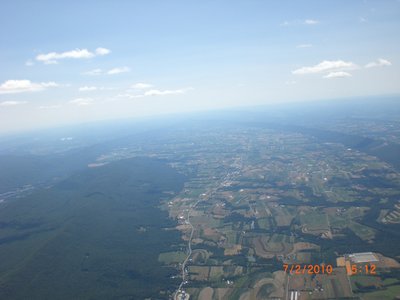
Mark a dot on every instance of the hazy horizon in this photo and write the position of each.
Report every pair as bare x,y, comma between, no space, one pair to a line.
70,62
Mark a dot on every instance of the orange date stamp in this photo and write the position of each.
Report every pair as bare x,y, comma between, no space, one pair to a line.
308,269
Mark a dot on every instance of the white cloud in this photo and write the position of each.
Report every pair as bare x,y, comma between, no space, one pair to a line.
12,103
155,92
118,70
299,22
102,51
141,86
53,57
94,72
87,88
326,66
20,86
29,63
127,95
379,63
82,101
163,93
112,71
50,84
339,74
304,46
311,22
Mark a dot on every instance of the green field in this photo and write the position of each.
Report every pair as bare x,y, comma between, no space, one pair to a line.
263,223
314,221
172,257
364,232
391,292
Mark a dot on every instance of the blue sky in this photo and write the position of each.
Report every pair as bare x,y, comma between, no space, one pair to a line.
76,61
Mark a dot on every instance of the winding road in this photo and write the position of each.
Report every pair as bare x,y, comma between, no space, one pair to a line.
189,248
187,220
